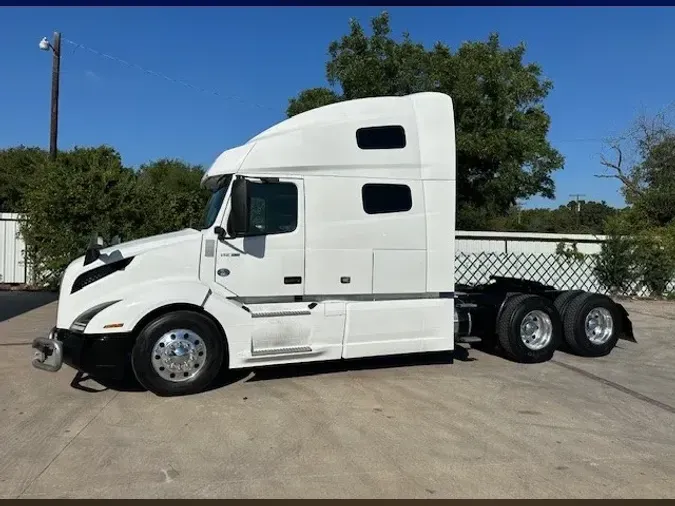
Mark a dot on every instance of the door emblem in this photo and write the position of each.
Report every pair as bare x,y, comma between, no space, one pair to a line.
223,272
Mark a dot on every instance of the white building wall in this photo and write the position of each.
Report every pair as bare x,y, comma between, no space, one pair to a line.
524,242
12,250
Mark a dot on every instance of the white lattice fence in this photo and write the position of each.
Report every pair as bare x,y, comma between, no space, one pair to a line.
552,269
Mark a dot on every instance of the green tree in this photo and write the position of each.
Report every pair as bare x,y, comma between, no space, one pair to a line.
17,167
502,151
85,191
643,160
656,174
311,99
171,195
590,218
585,217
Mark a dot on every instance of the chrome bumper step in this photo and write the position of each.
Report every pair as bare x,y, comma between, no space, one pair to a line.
48,352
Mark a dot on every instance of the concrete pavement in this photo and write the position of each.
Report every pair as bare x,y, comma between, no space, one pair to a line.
407,427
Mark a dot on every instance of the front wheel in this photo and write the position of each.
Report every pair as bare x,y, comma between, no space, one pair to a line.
178,353
529,328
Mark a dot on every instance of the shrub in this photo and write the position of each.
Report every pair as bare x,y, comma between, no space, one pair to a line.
656,262
88,191
616,268
85,191
633,255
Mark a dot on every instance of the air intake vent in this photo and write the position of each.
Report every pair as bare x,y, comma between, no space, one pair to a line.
98,273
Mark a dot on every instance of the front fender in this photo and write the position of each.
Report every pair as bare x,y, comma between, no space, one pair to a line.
133,305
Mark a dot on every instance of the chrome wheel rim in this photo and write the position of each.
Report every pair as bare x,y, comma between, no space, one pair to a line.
536,330
599,325
179,355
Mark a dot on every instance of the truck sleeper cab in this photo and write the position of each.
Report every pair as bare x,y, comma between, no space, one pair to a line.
328,236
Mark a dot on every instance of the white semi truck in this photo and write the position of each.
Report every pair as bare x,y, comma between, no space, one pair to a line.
329,236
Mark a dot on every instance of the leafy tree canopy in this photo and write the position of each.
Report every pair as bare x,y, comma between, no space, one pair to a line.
172,197
17,166
502,151
88,191
643,160
583,217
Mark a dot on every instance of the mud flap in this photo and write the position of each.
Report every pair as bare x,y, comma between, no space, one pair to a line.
626,325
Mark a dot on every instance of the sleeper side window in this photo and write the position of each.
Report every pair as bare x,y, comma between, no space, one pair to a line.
381,198
273,208
381,137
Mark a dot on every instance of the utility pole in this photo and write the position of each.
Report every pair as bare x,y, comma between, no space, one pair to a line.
576,197
55,47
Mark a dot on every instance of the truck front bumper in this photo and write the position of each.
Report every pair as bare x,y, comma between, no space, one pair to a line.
97,355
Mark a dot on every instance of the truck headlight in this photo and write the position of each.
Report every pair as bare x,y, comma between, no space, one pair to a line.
83,320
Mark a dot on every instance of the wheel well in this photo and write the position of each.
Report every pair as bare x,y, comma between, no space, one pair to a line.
550,295
490,302
169,308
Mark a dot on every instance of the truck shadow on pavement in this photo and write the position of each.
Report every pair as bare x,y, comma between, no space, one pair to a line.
16,303
493,349
83,382
460,354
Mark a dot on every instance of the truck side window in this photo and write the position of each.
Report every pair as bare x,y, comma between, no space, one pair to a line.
386,198
274,207
381,137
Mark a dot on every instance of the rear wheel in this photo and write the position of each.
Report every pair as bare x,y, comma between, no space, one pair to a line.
178,353
562,301
529,328
591,325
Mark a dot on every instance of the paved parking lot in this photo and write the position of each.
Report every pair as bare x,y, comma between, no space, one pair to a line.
409,427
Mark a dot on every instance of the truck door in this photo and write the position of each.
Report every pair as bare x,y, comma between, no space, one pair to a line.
270,265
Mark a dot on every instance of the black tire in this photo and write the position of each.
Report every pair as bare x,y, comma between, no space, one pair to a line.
142,353
562,301
574,325
508,328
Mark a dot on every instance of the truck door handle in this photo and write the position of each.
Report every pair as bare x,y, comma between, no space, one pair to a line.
292,280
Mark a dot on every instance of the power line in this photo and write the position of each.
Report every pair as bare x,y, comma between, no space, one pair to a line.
260,106
164,76
573,141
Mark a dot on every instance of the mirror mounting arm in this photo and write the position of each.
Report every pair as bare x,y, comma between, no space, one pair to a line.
220,232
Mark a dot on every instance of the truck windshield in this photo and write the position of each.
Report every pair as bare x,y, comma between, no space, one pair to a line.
214,203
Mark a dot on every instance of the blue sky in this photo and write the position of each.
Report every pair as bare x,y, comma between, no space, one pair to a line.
607,66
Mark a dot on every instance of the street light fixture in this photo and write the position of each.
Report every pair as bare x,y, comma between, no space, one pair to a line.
55,47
